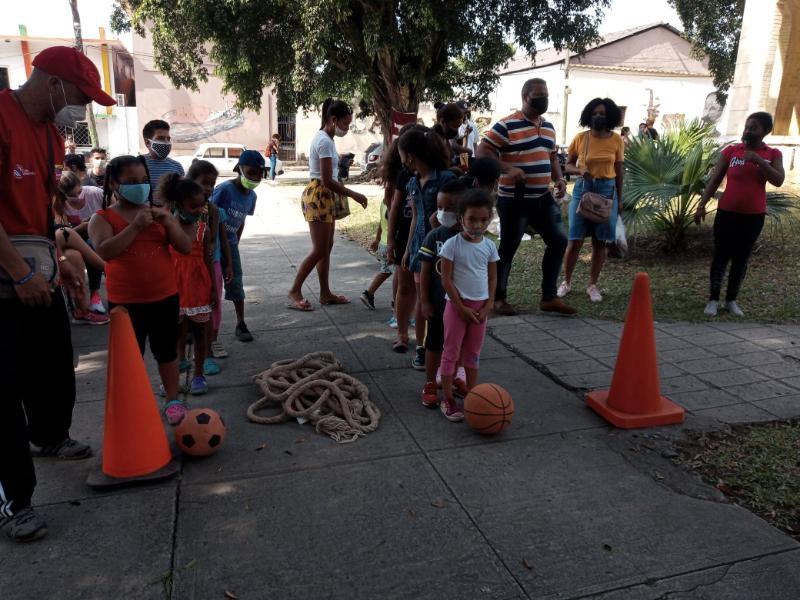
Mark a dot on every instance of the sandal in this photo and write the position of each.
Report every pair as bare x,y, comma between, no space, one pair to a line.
301,305
335,300
400,346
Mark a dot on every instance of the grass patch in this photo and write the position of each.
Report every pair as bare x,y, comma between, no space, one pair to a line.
362,224
679,283
757,466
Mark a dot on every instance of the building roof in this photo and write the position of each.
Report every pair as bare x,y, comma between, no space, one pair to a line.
653,48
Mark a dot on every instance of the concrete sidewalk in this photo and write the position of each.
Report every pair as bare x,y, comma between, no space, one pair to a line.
559,506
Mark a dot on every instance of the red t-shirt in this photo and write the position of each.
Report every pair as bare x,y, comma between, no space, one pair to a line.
745,191
25,203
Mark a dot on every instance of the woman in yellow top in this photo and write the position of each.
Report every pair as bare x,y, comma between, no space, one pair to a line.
597,155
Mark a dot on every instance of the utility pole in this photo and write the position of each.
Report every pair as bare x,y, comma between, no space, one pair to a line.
76,26
566,99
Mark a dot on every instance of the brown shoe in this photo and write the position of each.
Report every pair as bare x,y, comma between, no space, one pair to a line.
557,305
501,307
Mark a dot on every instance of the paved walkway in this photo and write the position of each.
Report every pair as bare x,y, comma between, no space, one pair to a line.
560,506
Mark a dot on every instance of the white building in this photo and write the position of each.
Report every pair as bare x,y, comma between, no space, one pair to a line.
648,71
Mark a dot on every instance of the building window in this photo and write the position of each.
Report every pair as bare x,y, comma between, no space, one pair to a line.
79,134
4,84
286,129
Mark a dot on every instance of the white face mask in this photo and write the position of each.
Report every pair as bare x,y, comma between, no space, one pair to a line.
448,219
99,163
340,132
70,114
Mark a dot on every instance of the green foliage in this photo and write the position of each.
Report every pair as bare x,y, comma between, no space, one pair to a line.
664,181
713,27
391,53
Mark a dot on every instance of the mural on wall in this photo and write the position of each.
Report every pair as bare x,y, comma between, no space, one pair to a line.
712,111
202,123
124,78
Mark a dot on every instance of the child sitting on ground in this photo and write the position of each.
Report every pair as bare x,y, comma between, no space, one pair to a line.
385,268
205,174
469,277
134,238
431,292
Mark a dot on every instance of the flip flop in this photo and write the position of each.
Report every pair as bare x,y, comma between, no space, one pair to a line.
335,300
301,305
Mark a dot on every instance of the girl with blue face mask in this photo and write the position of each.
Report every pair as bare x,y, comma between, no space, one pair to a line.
134,238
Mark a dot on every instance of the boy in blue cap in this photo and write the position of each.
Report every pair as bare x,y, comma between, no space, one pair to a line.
238,198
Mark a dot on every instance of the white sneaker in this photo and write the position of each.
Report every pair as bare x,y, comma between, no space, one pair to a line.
711,308
594,294
734,309
563,289
218,351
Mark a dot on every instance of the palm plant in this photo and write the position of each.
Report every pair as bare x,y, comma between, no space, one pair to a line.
664,181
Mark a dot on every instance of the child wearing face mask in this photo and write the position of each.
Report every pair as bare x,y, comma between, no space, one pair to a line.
134,238
195,272
469,276
431,292
237,197
159,145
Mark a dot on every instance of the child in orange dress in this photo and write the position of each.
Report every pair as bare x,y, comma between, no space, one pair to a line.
196,282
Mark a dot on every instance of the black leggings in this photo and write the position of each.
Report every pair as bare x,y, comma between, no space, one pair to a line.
735,234
157,321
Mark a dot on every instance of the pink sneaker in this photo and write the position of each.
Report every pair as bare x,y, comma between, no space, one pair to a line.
175,411
451,410
89,318
96,303
430,394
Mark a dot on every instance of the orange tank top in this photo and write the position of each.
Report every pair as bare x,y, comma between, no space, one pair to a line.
145,271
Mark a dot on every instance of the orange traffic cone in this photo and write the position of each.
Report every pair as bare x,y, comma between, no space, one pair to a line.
135,446
635,399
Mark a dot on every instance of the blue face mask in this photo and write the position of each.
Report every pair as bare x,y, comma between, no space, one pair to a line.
187,217
135,193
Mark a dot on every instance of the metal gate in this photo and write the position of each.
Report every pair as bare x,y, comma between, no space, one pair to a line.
287,131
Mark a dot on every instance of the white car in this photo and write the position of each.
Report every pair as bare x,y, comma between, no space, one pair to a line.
224,156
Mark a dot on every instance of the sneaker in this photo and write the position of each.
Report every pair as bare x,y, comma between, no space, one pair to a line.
183,388
734,309
68,449
563,289
418,361
368,299
96,303
89,318
451,411
199,386
184,366
558,306
392,322
711,308
460,374
430,394
243,333
175,411
218,351
412,322
594,293
25,525
210,367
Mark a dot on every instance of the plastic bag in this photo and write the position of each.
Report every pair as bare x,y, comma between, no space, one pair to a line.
622,240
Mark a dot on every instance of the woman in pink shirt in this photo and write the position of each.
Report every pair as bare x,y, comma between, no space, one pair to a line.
741,210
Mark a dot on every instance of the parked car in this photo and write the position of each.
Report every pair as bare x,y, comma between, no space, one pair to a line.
372,156
224,156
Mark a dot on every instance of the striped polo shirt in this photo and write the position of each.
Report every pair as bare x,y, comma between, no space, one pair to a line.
157,168
528,146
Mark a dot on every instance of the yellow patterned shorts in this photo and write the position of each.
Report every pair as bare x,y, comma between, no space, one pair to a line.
318,202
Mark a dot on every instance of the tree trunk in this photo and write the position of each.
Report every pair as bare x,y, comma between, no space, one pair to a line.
76,25
389,94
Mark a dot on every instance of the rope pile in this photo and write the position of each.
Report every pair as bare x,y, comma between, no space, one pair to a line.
315,388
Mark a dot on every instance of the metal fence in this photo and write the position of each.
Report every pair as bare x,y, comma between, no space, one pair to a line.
287,125
79,134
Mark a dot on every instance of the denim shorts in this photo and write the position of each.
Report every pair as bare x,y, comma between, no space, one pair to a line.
234,289
580,228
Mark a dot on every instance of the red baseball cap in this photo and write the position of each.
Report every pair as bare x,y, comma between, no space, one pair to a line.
71,65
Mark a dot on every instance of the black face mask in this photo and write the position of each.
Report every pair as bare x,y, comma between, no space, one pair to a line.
599,123
450,133
539,104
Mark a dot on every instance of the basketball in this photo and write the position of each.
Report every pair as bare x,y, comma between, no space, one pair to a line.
488,408
201,432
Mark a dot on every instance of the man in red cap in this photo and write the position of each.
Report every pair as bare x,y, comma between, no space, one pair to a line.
36,368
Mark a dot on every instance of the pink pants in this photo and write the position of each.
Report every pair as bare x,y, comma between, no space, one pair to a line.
461,338
216,314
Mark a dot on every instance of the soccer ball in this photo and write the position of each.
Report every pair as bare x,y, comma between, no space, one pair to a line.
201,432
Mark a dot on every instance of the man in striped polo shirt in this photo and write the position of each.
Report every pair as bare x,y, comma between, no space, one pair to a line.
525,144
159,144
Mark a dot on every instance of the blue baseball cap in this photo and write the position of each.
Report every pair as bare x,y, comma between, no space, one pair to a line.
252,158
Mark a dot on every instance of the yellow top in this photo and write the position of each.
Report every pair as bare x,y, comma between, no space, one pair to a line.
603,153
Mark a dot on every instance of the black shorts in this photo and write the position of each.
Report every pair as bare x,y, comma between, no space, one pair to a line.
159,322
401,236
434,332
